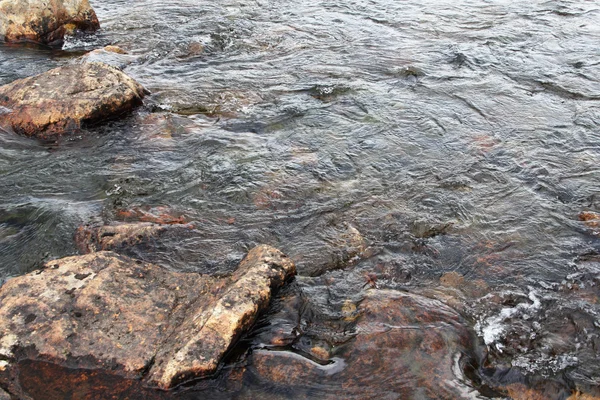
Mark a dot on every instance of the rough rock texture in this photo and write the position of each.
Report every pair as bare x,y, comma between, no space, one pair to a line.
65,98
137,320
45,21
117,236
406,347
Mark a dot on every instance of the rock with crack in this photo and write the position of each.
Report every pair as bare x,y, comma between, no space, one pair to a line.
66,98
108,312
45,21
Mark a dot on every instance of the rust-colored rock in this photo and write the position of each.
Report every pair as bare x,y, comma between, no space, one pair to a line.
134,319
116,237
66,98
45,21
406,347
591,220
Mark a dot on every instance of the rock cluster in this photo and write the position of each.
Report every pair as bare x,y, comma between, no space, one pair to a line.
137,320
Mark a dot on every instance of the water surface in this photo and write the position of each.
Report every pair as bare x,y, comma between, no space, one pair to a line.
455,136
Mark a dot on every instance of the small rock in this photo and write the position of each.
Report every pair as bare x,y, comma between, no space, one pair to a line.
114,49
65,98
4,395
45,21
116,237
158,215
340,246
591,220
452,279
133,319
111,55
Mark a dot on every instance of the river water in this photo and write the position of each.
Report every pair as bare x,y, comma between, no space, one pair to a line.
462,139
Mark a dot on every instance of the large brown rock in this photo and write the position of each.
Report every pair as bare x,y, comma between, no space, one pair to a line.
406,347
45,21
136,320
65,98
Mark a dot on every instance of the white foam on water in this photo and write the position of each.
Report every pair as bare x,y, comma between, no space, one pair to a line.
492,328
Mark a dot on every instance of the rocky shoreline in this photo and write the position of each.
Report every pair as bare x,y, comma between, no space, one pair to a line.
106,316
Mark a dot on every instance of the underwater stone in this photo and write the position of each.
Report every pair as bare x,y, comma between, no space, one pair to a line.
406,347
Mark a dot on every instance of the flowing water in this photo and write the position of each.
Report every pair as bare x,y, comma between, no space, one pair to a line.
462,139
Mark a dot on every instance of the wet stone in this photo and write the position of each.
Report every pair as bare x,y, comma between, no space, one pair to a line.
339,246
66,98
405,346
137,320
45,21
111,55
117,237
591,220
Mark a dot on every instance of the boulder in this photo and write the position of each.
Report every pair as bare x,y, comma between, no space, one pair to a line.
45,21
406,347
66,98
107,312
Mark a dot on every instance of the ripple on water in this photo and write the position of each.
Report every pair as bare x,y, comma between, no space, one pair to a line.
457,138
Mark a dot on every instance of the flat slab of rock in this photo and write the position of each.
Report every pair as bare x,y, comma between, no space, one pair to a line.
45,21
138,320
65,98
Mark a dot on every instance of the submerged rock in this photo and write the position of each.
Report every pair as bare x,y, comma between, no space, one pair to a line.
406,346
65,98
111,55
137,320
337,246
45,21
591,220
117,237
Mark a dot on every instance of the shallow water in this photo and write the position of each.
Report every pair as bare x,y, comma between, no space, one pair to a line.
454,136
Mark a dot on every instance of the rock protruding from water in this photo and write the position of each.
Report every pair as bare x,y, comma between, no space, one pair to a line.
109,312
45,21
66,98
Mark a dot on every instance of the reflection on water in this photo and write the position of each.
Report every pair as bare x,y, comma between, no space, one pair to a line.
455,137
